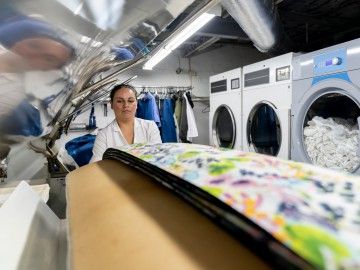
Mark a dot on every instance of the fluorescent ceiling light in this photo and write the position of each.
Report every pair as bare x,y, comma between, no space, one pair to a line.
153,61
189,30
176,41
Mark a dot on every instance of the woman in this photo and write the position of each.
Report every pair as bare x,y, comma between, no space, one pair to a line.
126,128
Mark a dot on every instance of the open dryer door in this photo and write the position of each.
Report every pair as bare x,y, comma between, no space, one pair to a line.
325,128
224,127
267,130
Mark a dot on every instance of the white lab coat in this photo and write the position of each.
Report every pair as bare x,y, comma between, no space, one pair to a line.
145,131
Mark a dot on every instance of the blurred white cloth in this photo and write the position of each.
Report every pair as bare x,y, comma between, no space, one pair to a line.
41,190
30,233
192,128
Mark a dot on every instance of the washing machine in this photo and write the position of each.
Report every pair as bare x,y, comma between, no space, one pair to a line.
326,84
226,110
267,93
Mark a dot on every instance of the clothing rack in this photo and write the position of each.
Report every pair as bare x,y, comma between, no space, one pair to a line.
172,90
167,87
163,89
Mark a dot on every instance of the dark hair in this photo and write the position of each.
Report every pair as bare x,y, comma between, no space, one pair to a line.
118,87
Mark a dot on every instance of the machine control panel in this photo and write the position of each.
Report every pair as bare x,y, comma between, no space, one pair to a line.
334,61
330,62
283,73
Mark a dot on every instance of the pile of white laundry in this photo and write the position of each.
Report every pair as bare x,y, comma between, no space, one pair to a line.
333,143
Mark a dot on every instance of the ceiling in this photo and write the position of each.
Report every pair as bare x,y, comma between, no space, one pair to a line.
308,25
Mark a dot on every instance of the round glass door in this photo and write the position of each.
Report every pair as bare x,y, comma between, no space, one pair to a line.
224,127
263,130
331,132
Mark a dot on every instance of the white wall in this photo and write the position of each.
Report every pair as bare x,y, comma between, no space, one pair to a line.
204,65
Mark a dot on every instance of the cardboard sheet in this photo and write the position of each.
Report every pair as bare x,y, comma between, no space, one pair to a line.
120,219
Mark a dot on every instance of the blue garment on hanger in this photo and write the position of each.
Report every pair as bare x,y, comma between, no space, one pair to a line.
168,127
147,109
80,148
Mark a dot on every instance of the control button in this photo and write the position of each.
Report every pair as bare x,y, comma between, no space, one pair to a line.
336,61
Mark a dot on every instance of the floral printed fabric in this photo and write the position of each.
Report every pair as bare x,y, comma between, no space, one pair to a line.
313,211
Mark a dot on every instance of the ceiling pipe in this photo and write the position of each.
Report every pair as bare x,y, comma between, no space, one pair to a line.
260,21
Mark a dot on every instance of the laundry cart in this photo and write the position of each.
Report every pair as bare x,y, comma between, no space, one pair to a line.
326,107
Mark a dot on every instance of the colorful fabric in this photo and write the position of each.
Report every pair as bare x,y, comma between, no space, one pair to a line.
312,210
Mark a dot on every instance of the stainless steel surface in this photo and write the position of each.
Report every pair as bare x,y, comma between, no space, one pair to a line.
101,96
260,21
57,55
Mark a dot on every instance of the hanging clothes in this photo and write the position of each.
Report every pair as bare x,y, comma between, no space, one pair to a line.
178,110
192,128
183,123
189,99
168,127
147,109
176,102
176,120
177,129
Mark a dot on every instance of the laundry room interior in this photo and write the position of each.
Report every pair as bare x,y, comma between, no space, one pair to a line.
208,101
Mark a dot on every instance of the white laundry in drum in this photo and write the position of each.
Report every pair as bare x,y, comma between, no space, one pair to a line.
333,143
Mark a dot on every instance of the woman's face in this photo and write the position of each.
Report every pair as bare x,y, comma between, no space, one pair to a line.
42,53
124,104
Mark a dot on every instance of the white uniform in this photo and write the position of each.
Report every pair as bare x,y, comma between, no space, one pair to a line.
145,131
